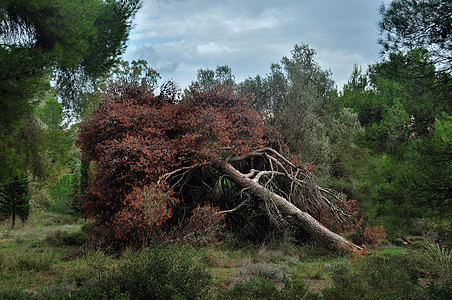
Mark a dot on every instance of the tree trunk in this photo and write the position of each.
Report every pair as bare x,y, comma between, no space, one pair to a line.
289,211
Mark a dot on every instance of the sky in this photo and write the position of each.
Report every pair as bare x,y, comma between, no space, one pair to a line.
178,37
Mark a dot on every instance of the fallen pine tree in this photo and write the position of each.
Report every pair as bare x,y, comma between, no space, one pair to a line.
156,161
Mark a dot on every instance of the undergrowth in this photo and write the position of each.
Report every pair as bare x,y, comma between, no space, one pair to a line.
53,263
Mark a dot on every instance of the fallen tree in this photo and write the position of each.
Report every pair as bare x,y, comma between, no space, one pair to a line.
285,207
282,209
157,161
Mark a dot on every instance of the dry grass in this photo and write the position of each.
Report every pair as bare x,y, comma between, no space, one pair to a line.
439,259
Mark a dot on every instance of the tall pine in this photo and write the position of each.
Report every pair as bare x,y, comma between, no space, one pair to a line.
14,199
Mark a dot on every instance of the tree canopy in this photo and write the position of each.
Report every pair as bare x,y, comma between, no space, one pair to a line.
409,24
299,98
404,104
72,43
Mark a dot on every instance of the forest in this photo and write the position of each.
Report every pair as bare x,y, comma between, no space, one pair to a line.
115,183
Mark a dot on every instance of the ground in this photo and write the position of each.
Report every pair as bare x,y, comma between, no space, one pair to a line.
46,256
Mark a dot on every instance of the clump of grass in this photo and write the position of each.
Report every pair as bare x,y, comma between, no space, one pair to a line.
58,290
439,261
276,272
60,238
213,258
440,257
30,261
312,269
284,253
17,294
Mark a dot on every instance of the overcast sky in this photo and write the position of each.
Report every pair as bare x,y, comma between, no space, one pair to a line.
178,37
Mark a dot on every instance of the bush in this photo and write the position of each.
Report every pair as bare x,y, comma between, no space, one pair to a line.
59,238
154,273
439,261
440,291
262,288
392,276
17,294
62,195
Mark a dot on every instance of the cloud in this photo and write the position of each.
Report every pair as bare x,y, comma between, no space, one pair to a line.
177,37
341,63
213,48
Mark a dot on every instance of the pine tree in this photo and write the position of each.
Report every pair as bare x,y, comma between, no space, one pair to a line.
14,199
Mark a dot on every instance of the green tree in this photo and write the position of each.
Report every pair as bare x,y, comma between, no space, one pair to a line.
58,134
23,150
14,199
430,170
208,78
409,24
62,195
73,42
300,98
78,40
398,99
136,72
402,103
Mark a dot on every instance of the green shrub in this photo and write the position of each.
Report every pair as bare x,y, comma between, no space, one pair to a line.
263,288
59,238
440,291
439,261
84,293
253,288
272,271
16,294
393,276
155,273
29,261
62,195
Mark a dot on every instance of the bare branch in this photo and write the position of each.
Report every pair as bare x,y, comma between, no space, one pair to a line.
185,169
237,208
264,173
302,190
281,211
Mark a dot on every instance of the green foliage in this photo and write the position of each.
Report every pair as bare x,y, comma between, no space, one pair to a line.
411,184
36,39
262,288
408,24
14,199
440,291
22,150
403,170
430,170
398,99
27,261
377,277
58,135
207,78
155,273
439,261
136,71
41,145
300,98
74,41
62,195
59,238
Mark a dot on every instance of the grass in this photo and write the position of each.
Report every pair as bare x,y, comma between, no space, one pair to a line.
45,258
27,260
